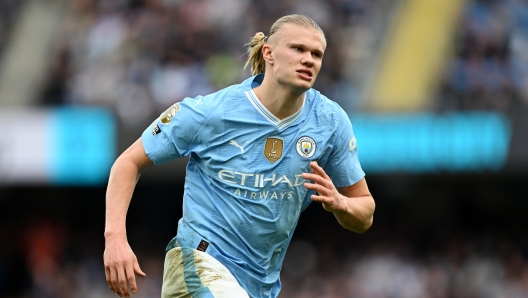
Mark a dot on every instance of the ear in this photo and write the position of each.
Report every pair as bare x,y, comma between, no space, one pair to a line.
267,52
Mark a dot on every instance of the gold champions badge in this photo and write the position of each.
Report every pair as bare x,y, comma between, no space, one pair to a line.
167,116
273,149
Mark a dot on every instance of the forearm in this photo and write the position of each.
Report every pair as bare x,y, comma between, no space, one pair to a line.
123,178
358,213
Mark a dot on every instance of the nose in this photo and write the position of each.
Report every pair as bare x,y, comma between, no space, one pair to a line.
307,60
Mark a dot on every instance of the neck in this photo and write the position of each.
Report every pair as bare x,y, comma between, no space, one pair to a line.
280,100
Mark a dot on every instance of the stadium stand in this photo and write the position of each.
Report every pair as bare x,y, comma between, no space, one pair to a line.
8,13
488,70
139,57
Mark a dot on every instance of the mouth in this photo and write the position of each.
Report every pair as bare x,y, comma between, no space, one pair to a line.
305,74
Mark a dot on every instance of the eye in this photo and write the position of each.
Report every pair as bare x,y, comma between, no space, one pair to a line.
318,54
298,49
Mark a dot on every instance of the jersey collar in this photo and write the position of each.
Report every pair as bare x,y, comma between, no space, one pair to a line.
253,99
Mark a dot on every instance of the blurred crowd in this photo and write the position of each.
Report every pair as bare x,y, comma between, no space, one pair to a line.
463,266
140,56
8,14
489,67
457,268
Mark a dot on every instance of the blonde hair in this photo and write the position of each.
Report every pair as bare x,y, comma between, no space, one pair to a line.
255,58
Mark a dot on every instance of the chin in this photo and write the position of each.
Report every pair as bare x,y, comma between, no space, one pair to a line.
298,85
304,85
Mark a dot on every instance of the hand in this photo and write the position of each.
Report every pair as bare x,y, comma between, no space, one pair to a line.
120,265
327,193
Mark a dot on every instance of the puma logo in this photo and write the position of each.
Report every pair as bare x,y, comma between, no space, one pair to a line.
241,147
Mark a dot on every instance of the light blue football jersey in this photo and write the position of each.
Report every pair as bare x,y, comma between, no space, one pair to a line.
243,188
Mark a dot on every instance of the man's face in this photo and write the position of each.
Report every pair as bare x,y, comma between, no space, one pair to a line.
296,54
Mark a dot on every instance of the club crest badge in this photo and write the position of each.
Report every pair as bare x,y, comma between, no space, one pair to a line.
169,114
273,149
352,144
306,147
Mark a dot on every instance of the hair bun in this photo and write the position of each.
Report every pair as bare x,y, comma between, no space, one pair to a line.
255,58
259,36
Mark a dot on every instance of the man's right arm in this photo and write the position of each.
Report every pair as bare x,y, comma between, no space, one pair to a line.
119,260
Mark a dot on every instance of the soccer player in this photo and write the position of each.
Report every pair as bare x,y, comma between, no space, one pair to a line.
259,153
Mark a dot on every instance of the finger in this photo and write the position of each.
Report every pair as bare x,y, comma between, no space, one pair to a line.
318,170
122,282
131,279
325,183
316,177
319,176
138,270
316,187
313,177
108,277
114,280
320,199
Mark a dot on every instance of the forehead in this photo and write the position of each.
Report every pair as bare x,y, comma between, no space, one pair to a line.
296,34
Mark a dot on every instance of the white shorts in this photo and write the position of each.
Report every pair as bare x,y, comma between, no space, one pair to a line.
189,273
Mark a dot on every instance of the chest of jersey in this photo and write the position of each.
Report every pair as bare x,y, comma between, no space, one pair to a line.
257,154
255,160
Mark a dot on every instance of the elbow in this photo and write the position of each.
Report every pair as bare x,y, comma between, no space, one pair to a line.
119,163
367,222
359,227
124,164
114,167
365,226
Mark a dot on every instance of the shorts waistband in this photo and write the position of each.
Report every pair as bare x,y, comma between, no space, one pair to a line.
188,237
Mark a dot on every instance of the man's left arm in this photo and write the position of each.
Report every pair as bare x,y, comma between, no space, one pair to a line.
353,205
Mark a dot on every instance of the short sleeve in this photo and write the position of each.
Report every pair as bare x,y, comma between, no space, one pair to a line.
343,165
171,135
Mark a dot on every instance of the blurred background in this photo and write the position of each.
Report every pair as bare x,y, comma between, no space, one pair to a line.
436,90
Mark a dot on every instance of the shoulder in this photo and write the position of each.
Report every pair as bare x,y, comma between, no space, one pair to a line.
327,109
208,104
